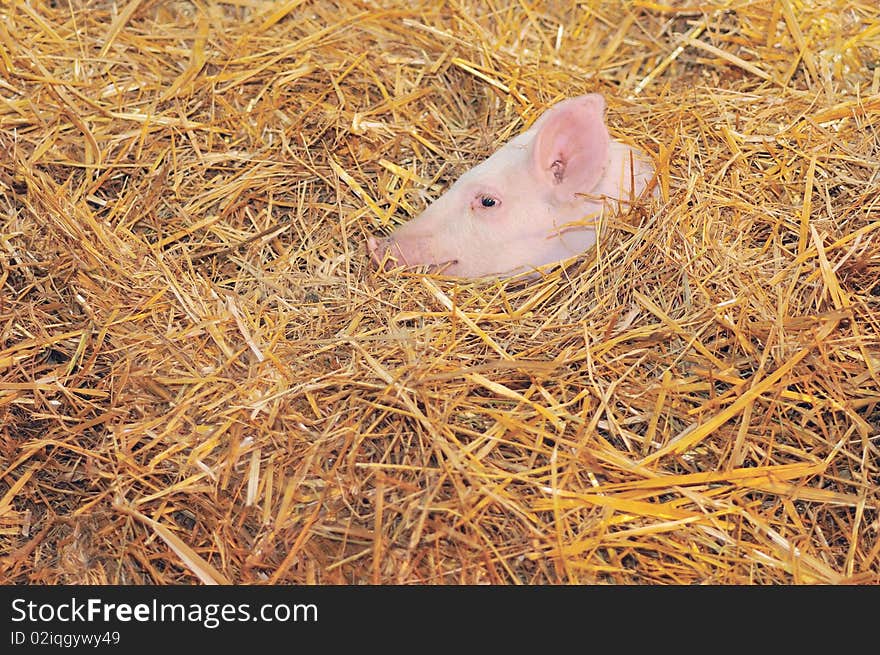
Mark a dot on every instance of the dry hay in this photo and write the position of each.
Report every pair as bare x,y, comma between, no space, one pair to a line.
203,379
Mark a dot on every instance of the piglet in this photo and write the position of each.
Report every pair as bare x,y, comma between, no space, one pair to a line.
535,201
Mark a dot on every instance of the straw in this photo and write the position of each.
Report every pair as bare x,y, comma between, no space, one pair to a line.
204,379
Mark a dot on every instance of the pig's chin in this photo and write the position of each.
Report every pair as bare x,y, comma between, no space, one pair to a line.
445,267
450,268
389,254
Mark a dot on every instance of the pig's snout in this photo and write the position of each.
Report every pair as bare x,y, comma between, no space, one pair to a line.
384,252
377,249
388,253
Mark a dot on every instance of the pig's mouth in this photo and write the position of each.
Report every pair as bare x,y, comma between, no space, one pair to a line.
387,255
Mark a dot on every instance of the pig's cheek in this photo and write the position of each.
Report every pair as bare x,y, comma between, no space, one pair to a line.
494,222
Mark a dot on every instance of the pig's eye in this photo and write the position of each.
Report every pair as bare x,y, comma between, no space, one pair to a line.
485,201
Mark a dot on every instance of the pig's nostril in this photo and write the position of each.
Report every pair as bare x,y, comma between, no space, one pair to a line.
376,248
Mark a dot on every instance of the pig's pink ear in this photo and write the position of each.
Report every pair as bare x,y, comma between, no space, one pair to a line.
571,147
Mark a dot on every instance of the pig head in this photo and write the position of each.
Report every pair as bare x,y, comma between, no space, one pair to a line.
535,201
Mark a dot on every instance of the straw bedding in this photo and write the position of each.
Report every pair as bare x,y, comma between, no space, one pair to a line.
203,379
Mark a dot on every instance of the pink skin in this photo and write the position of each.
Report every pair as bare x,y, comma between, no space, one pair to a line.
536,201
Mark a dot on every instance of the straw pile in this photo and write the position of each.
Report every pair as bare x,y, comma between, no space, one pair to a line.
203,379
